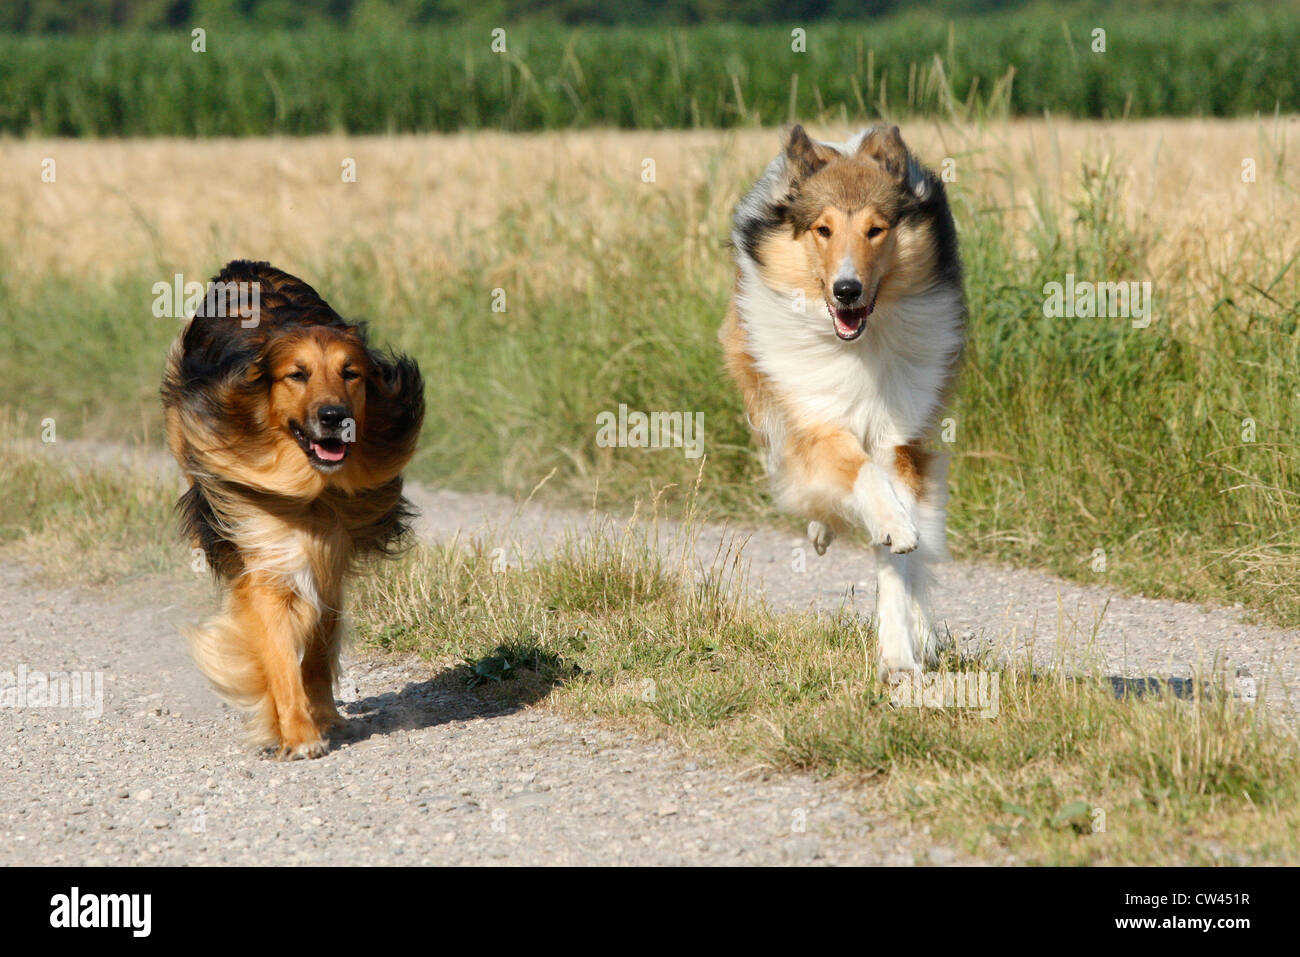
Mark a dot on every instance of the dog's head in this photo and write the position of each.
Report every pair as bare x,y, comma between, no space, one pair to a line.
857,226
286,396
317,384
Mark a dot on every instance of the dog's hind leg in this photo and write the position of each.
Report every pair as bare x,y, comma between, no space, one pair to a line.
821,535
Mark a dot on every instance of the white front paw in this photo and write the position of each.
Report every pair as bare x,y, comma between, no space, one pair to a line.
887,520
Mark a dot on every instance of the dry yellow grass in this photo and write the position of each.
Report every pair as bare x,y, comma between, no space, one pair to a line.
432,204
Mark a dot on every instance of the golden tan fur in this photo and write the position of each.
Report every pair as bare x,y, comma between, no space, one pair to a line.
293,435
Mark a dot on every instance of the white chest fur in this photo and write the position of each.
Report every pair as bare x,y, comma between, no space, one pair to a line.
885,387
302,560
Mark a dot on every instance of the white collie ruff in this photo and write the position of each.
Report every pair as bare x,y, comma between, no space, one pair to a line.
844,334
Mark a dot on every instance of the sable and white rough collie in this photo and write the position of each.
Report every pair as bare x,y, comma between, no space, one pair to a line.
844,334
293,434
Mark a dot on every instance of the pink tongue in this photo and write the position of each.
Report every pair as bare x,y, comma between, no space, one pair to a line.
329,455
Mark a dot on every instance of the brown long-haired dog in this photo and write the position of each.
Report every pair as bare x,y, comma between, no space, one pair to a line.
293,434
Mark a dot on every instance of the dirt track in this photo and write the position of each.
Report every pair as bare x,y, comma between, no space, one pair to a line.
420,777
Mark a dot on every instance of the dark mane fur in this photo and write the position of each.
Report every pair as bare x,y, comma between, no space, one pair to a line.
220,358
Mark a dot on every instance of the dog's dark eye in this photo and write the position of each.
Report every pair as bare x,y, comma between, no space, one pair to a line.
874,231
299,376
350,374
824,232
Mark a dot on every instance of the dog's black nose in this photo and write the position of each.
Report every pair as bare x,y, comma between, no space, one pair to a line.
847,290
331,416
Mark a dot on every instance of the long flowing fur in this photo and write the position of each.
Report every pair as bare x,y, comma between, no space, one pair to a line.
842,395
280,534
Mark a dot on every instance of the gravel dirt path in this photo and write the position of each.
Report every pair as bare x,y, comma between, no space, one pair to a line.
420,776
423,775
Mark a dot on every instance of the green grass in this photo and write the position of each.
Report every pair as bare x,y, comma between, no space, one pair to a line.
91,525
366,81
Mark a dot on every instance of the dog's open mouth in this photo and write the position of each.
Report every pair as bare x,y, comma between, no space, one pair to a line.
326,453
851,322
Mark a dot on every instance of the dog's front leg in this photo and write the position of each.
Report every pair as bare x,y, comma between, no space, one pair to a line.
906,637
320,665
827,475
278,626
889,516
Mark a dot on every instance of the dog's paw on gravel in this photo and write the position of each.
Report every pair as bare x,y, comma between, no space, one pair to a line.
308,749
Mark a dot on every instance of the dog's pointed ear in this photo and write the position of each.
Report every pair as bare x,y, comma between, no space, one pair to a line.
803,156
885,146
